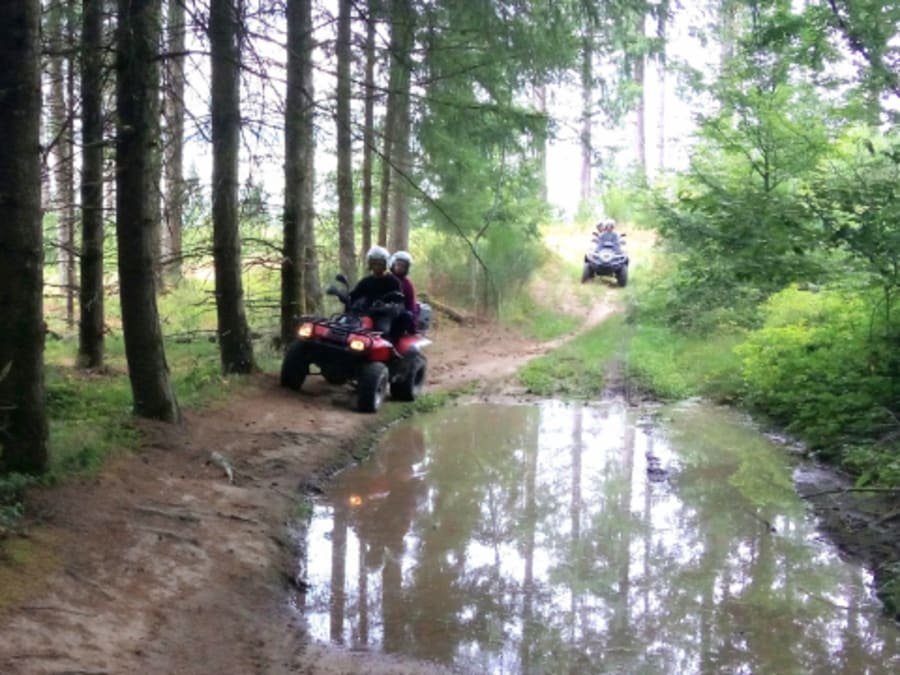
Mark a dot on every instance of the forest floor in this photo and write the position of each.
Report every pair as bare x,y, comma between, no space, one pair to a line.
162,565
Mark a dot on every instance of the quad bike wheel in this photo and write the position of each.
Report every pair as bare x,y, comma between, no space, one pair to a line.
373,384
411,386
622,276
586,273
295,366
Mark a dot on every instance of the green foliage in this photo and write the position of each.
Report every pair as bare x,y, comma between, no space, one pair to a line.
12,486
816,367
888,589
856,198
452,273
676,365
537,309
693,294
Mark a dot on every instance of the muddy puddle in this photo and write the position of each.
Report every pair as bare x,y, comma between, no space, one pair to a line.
555,538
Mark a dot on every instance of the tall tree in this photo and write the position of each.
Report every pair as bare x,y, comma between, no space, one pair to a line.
403,22
387,144
368,132
587,117
137,210
540,104
300,290
23,422
235,344
61,128
174,112
640,61
661,66
90,336
344,143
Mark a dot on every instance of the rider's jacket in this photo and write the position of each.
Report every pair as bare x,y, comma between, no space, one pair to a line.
371,288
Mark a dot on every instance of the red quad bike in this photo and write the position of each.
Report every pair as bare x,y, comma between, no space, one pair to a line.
352,347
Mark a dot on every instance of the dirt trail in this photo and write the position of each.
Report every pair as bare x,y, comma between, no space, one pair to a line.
161,565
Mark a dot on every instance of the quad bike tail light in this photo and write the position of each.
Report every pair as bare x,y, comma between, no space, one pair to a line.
305,330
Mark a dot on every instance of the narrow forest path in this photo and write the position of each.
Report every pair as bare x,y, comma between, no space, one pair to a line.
162,565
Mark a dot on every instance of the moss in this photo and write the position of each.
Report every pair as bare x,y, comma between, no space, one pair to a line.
25,564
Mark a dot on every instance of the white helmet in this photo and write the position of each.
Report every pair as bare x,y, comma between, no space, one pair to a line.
402,256
377,253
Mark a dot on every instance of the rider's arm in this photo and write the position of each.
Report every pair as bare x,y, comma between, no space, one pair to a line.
361,290
409,296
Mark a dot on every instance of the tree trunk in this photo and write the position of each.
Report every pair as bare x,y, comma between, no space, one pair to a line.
344,144
300,289
71,280
540,100
402,18
387,156
368,135
234,336
174,111
137,144
23,421
727,18
661,85
587,96
641,112
61,130
90,336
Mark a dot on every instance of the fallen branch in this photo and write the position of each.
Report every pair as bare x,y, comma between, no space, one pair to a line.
450,312
33,608
888,516
172,535
893,490
177,514
90,582
184,515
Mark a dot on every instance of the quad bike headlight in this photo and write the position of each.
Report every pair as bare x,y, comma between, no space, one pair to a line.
357,345
305,330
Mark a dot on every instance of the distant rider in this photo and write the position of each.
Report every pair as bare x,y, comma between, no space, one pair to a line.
605,234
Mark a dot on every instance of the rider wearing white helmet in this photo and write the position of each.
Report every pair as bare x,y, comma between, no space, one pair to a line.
378,283
401,262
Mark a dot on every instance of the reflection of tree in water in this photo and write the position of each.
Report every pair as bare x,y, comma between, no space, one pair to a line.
378,501
564,558
474,512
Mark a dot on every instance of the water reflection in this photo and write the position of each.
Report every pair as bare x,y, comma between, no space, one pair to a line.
549,538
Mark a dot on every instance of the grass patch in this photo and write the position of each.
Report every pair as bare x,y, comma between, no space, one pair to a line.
90,413
578,368
24,566
537,321
675,366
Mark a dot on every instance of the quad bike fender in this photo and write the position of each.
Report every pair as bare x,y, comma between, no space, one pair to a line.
409,344
380,350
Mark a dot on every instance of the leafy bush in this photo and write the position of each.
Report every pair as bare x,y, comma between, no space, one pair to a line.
12,485
817,367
